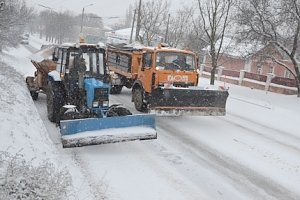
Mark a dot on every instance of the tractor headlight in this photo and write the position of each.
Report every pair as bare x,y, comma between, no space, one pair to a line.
95,104
105,103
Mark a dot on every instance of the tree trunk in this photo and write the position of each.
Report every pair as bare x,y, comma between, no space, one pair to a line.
214,65
297,79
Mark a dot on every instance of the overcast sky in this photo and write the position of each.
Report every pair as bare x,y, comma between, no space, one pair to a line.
103,8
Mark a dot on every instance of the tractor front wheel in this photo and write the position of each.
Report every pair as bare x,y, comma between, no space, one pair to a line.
116,89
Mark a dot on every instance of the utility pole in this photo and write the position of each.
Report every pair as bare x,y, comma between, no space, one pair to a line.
138,25
167,30
81,20
133,21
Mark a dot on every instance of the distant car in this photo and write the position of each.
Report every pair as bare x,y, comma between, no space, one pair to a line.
25,41
25,38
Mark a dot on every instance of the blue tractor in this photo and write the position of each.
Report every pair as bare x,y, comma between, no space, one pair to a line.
78,100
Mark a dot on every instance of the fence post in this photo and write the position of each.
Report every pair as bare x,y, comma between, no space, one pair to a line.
242,75
201,69
269,79
220,71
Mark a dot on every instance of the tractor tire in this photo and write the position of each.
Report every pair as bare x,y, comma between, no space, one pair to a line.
30,81
34,95
138,100
116,110
116,89
55,100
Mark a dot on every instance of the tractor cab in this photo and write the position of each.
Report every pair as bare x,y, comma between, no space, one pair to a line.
82,69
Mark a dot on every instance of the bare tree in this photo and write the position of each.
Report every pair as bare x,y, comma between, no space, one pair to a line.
64,27
153,17
179,26
14,15
214,18
93,20
274,22
129,16
57,27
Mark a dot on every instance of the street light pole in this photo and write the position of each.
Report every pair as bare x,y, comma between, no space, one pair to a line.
82,14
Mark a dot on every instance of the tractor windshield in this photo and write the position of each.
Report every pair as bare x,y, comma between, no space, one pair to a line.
175,61
93,61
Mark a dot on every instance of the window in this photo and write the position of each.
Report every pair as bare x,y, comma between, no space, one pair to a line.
175,61
287,74
271,69
259,69
147,60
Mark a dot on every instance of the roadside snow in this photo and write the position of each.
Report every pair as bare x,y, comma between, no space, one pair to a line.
22,130
19,119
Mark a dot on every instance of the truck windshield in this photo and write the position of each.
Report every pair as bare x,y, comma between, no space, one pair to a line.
175,61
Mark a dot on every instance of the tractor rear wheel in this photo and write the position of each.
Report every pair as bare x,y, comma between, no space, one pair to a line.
34,95
55,100
30,82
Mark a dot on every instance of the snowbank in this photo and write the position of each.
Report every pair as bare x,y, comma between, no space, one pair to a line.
22,129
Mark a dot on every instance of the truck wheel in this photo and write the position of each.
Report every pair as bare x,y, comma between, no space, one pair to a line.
116,89
54,101
138,100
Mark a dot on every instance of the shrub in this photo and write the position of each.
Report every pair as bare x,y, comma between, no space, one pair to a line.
20,179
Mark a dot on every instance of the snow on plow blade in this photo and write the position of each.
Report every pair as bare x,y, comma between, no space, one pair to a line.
94,131
189,101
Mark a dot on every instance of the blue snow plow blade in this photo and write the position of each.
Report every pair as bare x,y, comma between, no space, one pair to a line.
94,131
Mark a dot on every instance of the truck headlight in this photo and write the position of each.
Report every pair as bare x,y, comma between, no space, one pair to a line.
95,104
105,103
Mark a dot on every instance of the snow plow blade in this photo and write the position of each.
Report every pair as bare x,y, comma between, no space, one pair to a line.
95,131
189,101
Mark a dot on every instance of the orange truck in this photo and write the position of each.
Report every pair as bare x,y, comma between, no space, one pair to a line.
163,80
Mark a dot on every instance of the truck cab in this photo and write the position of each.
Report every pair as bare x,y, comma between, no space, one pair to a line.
167,67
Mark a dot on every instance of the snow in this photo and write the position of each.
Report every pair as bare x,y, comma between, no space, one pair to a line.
251,153
110,135
237,49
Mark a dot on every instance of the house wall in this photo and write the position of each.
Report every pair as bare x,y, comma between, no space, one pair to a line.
252,64
278,70
228,62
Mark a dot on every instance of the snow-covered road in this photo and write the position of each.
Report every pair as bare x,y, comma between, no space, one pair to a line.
231,157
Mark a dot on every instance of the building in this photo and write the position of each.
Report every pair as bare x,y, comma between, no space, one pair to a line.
251,58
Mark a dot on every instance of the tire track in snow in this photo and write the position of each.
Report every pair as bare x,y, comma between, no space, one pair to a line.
236,172
53,131
243,178
264,130
98,190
